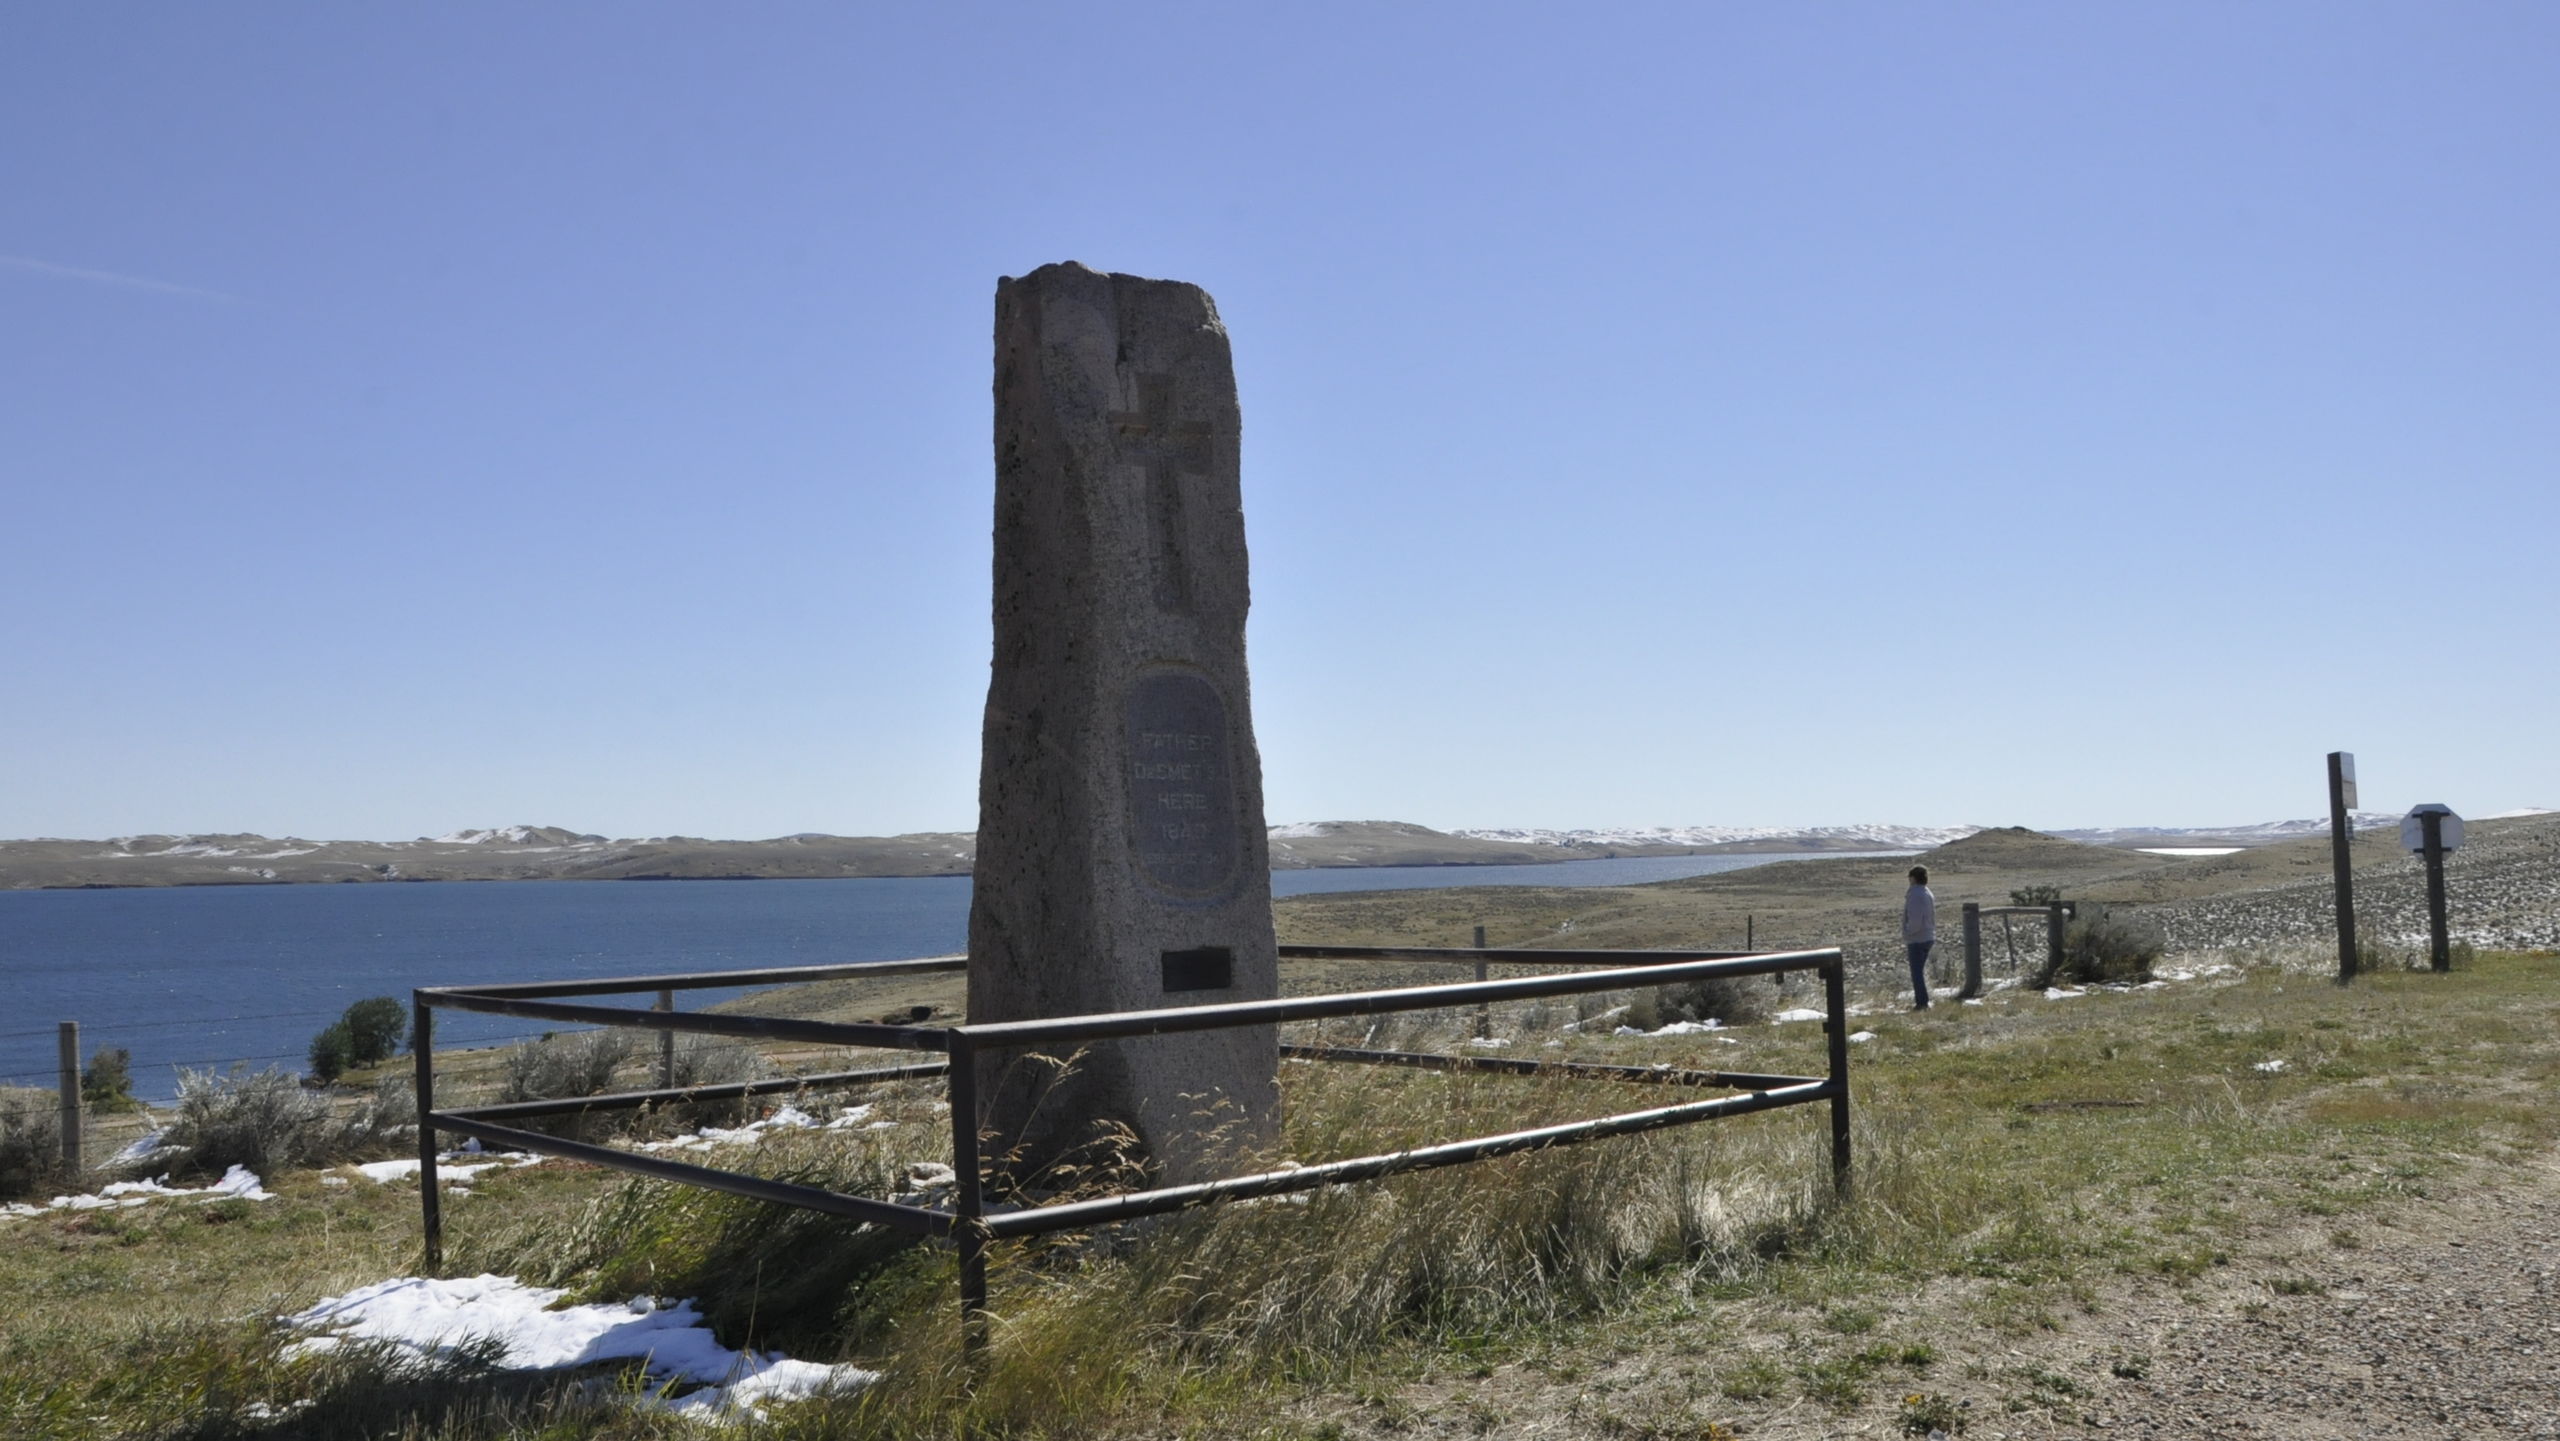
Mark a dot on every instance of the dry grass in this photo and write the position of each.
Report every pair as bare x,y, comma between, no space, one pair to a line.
2015,1160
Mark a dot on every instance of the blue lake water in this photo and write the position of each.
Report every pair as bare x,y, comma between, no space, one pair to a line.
210,975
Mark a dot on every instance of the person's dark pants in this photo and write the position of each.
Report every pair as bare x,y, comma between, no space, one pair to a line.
1919,972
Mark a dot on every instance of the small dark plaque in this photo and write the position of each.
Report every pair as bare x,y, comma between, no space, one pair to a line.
1182,795
1209,968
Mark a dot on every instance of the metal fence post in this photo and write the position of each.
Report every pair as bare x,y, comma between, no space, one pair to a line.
2439,945
1484,1009
2342,798
68,1041
422,1049
2053,941
1835,1000
666,1046
969,1197
1972,951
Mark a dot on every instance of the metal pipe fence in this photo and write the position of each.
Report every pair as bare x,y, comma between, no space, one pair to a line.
973,1224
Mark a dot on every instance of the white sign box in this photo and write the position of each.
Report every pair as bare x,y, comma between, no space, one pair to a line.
2413,832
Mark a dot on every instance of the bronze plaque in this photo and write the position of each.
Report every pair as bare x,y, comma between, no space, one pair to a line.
1182,795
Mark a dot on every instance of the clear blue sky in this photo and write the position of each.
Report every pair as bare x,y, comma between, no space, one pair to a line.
1680,414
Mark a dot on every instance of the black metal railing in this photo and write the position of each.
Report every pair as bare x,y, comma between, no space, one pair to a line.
971,1222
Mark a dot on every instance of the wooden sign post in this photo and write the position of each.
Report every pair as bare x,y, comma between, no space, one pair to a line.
2431,830
2342,799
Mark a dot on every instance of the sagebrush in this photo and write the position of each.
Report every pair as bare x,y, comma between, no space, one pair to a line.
30,1141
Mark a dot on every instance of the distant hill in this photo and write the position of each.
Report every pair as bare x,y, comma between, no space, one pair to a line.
527,852
507,853
2261,833
1696,840
2015,848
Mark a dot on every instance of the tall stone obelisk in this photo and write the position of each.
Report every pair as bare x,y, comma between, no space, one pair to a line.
1122,862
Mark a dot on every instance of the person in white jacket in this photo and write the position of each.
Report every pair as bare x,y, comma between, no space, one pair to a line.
1919,933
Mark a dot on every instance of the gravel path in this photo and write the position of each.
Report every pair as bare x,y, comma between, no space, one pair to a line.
2446,1324
2443,1322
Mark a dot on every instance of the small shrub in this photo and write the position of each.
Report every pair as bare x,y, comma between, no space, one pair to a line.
331,1051
390,1114
106,1085
2103,946
30,1141
368,1034
2035,895
1725,999
710,1061
1850,1320
263,1120
558,1068
1927,1412
2373,956
374,1029
1754,1380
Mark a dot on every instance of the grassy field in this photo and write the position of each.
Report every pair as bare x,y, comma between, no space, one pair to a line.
2020,1163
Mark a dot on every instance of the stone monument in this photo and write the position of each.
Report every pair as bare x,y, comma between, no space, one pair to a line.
1122,861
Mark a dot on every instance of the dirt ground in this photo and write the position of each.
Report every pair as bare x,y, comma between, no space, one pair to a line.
2440,1322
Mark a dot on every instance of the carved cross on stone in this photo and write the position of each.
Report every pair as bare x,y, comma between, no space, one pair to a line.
1166,449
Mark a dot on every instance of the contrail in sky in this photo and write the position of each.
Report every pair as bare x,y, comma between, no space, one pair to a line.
109,277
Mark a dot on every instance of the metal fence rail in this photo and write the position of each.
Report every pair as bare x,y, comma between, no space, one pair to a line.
973,1223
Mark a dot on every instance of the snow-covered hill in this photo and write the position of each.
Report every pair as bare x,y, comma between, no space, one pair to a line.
1879,837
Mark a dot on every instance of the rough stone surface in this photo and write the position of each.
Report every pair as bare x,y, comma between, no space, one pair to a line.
1122,858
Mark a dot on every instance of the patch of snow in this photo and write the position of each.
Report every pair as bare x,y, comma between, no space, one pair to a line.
1676,1028
1488,1042
1610,1014
2057,993
2520,812
1856,1037
383,1172
140,1152
2191,850
432,1317
789,1118
237,1184
2217,968
2270,1067
1800,1013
